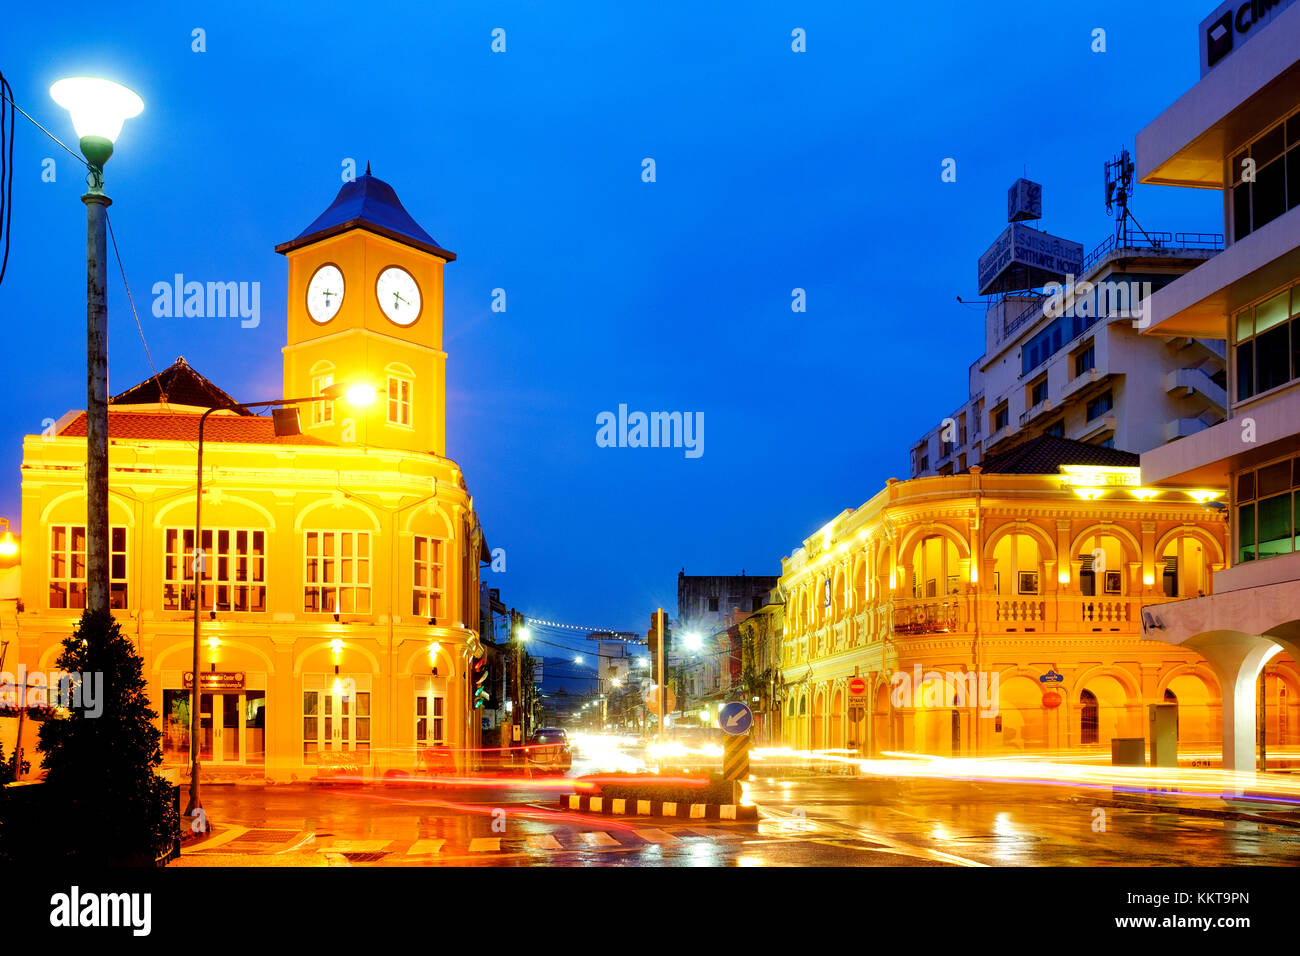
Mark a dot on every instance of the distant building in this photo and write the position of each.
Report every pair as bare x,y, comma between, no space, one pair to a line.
705,602
1069,360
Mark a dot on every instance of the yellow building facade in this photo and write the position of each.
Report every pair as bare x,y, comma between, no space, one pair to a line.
339,608
997,613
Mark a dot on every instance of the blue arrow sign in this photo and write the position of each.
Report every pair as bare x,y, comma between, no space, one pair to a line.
735,718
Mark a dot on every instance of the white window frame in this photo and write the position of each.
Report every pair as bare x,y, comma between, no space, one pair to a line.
178,552
359,584
399,412
116,556
428,600
322,413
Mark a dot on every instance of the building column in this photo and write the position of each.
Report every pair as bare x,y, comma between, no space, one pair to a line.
1237,660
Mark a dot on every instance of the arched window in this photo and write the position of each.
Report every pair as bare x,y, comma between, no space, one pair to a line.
936,570
1088,717
1183,567
401,383
1101,565
803,706
322,375
1016,565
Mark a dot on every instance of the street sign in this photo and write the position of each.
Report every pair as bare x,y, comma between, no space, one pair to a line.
735,718
1051,677
857,692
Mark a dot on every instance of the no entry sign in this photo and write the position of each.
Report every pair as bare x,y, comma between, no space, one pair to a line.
857,692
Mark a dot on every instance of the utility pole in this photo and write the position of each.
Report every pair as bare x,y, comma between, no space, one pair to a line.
663,689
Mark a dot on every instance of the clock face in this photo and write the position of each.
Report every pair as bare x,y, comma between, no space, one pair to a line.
325,294
399,295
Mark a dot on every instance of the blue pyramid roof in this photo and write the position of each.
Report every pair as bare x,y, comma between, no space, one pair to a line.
367,203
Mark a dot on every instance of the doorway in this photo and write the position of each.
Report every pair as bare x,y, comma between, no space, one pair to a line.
336,719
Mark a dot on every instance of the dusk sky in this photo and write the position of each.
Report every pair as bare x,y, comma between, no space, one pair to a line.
775,170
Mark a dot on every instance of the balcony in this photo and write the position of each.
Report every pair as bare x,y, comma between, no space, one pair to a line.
929,615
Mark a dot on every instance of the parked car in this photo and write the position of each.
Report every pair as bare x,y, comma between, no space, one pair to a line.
548,750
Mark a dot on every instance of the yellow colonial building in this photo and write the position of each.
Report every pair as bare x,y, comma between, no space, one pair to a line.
339,605
999,611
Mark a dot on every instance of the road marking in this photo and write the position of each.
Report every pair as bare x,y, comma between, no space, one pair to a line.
485,845
887,844
598,838
543,842
219,839
425,847
307,837
652,835
355,846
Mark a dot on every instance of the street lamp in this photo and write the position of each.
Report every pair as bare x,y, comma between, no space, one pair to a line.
356,394
98,108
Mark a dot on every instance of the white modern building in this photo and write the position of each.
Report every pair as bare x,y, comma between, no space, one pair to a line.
1238,130
1064,355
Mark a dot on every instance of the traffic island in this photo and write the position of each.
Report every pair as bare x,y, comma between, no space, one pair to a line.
651,795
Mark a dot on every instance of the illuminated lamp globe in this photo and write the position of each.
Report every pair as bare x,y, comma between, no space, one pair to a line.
99,108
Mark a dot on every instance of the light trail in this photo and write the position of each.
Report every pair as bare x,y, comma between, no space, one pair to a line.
1040,769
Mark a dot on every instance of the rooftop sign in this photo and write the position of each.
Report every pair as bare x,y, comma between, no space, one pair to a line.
1027,258
1082,476
1233,23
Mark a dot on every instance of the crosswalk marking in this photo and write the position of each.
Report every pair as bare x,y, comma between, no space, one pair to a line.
544,842
653,835
598,838
217,839
485,845
715,834
425,847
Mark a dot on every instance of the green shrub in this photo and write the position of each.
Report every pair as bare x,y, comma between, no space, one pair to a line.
102,800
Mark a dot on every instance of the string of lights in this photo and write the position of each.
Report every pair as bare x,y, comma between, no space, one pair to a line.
538,622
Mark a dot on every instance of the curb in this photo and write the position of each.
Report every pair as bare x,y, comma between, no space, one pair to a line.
1155,806
658,808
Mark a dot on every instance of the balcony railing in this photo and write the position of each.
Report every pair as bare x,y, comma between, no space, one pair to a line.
930,615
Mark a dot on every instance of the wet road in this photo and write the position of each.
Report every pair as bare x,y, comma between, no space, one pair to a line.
1000,824
805,820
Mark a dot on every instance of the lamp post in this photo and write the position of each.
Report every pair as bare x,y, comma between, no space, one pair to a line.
356,394
523,635
98,108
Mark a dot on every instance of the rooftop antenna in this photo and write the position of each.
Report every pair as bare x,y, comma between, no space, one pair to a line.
1119,189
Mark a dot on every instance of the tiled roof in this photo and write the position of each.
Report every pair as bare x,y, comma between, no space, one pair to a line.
1045,455
367,202
170,426
178,384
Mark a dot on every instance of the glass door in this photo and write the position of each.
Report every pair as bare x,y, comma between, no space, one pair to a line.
336,720
220,728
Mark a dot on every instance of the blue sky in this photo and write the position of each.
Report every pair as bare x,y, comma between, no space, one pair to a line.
775,170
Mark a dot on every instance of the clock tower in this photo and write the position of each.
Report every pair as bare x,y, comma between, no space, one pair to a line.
365,306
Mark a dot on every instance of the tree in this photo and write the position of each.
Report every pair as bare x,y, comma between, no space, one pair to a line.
101,766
